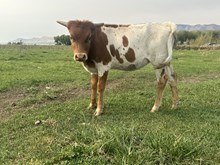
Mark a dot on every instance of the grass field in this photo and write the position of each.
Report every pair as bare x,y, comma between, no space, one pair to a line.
44,84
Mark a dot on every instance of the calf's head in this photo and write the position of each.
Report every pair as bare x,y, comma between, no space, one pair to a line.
81,36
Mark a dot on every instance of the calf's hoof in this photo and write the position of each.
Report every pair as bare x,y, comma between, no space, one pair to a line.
92,106
175,106
98,112
154,109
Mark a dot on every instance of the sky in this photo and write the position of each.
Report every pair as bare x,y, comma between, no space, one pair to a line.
37,18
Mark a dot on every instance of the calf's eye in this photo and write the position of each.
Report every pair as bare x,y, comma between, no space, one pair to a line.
88,39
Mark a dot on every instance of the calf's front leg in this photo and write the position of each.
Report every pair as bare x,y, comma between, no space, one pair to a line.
101,88
94,81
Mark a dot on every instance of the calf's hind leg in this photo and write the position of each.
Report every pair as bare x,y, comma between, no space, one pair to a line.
164,75
172,80
161,83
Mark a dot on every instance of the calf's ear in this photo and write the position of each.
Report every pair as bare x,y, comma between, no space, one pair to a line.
62,23
98,24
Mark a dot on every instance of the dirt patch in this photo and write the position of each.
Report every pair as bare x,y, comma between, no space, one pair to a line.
199,78
113,84
8,100
16,100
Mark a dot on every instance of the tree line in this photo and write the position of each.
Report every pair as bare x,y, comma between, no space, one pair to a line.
184,38
198,38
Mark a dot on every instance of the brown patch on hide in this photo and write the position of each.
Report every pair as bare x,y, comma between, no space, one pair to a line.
115,53
130,55
125,41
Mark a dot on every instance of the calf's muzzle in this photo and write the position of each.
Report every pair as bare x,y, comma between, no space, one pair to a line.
80,57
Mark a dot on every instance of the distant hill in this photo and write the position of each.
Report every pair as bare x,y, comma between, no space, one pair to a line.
198,27
36,41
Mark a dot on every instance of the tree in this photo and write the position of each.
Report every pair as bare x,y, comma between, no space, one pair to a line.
183,36
62,40
216,36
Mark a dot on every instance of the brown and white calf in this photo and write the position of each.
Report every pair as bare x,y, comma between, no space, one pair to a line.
101,47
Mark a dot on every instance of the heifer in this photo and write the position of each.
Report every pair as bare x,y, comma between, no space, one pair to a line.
101,47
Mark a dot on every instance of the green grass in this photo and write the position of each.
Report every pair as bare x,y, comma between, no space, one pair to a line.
44,83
